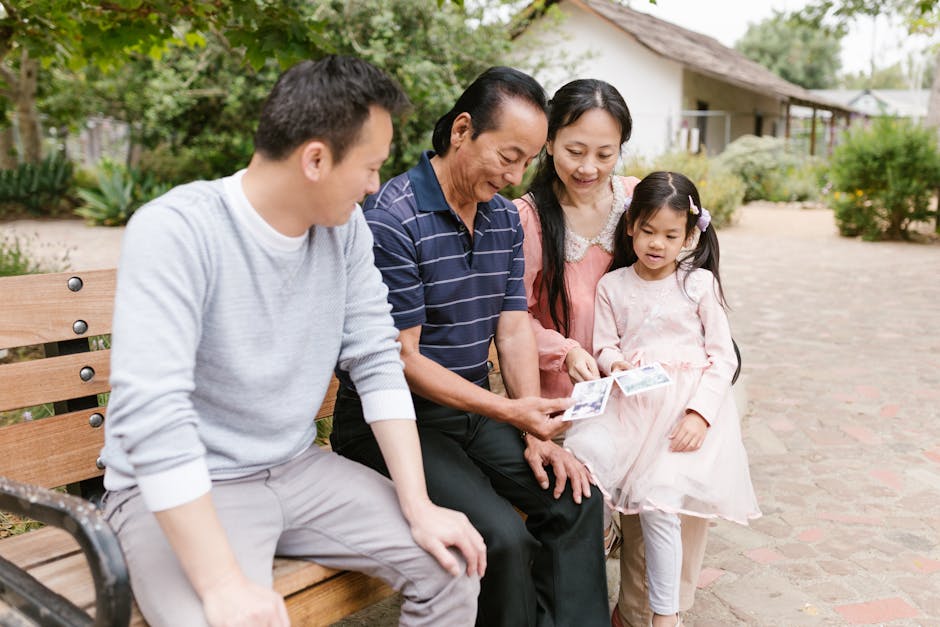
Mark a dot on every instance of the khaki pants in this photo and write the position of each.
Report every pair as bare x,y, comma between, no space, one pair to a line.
633,603
318,506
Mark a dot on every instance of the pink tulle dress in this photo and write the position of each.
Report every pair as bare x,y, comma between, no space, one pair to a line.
679,322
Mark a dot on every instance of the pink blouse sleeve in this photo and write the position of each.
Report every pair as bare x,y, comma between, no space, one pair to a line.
606,337
553,346
722,362
629,182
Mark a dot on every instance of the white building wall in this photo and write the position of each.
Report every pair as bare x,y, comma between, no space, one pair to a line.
650,84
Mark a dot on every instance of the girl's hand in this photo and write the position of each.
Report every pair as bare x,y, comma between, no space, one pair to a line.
580,365
617,366
689,433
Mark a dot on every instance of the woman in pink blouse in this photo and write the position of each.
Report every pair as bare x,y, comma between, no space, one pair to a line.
569,216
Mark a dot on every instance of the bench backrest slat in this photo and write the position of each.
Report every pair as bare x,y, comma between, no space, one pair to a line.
53,379
52,451
36,309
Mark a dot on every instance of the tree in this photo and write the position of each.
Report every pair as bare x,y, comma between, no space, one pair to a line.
38,34
793,50
921,16
896,76
193,109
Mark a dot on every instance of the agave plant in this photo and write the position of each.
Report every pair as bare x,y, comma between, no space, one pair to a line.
118,193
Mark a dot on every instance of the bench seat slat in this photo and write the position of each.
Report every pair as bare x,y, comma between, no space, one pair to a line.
52,451
36,309
329,402
53,379
316,595
330,601
38,546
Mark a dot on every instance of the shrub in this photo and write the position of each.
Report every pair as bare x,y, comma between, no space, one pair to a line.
771,170
883,178
37,186
721,191
117,193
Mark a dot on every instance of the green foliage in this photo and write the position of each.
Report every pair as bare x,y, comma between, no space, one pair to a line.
37,186
194,110
721,191
793,50
118,192
883,177
771,170
324,429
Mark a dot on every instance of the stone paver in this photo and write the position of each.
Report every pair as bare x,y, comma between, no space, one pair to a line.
841,347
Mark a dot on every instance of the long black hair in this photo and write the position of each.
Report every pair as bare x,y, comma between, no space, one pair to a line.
568,104
660,191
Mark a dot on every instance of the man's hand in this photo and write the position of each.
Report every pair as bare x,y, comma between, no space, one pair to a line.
533,415
436,528
235,601
580,365
565,466
689,433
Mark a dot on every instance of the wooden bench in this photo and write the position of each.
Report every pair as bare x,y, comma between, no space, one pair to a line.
72,572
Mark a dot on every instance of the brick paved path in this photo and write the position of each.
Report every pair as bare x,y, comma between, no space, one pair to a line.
841,343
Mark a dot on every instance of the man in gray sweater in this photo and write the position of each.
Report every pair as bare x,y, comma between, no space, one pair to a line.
236,298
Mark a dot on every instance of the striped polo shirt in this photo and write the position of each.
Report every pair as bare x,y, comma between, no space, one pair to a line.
438,277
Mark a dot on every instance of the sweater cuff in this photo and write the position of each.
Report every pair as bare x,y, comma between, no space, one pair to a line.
177,486
387,405
566,346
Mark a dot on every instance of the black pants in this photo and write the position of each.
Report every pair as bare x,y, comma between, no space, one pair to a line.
547,570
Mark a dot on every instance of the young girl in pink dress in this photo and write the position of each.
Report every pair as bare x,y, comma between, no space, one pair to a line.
677,449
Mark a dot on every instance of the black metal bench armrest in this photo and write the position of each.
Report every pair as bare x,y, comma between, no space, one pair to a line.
98,542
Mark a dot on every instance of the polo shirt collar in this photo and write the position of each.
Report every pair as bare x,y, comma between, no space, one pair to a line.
427,189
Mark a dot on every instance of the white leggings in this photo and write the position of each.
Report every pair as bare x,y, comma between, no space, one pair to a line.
662,536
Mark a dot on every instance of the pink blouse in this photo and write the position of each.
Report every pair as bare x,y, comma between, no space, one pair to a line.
586,261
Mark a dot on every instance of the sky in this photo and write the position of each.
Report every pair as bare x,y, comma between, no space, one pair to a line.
727,20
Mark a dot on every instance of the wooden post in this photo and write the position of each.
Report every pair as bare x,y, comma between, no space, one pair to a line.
787,125
832,132
812,135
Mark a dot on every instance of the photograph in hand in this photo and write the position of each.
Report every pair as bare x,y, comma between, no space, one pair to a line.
636,380
590,399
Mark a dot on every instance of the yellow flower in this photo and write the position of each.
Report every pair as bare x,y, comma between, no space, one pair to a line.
858,193
837,195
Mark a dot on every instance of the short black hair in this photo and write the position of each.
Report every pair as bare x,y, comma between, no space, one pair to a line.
327,100
482,100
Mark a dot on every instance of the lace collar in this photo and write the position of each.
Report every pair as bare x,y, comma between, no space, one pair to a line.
576,246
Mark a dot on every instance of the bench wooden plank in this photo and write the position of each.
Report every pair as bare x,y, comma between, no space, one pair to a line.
39,381
39,546
70,577
52,451
335,598
329,401
36,309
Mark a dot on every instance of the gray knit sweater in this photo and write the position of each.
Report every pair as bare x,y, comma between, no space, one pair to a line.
225,336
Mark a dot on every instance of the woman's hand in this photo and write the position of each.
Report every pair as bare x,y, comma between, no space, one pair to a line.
580,365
